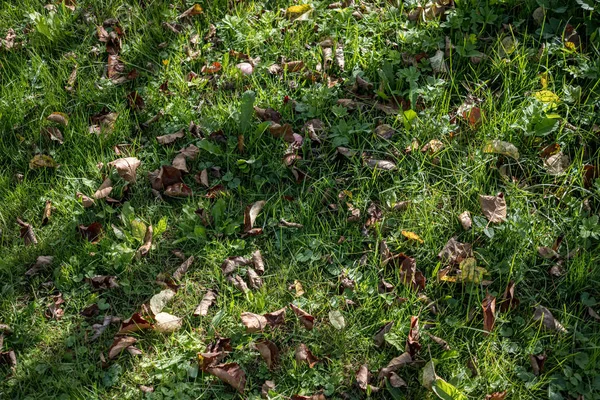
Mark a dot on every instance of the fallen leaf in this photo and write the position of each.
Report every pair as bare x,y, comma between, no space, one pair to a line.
103,121
239,283
133,324
465,220
136,101
100,328
339,56
232,263
208,299
245,68
543,315
384,131
319,396
171,138
160,300
441,342
267,114
362,379
395,364
269,352
493,207
251,213
268,386
42,161
276,318
103,282
509,301
593,314
454,252
409,274
303,354
9,358
26,233
179,189
196,9
489,313
90,311
54,311
59,118
147,244
42,263
497,395
337,320
47,212
293,66
92,233
9,39
212,68
164,177
167,323
383,165
253,279
537,363
86,201
412,341
119,344
433,146
297,287
230,373
470,272
53,133
557,164
253,322
104,190
500,147
379,337
286,224
306,319
412,236
126,167
295,13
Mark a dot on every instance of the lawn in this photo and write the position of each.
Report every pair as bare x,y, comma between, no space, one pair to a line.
236,199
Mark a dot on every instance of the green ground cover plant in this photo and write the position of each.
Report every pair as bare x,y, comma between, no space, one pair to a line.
299,200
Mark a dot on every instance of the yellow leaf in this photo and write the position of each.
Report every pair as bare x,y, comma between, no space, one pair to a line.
42,161
470,272
412,236
544,80
546,96
295,12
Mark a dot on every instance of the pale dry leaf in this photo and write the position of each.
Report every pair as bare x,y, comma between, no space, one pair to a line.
303,354
171,138
259,264
254,280
160,300
126,167
230,373
269,352
493,207
167,323
543,315
104,190
42,263
119,344
253,322
208,299
557,164
251,213
499,147
465,220
183,268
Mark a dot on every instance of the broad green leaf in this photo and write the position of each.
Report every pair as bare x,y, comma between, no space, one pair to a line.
138,229
210,147
446,391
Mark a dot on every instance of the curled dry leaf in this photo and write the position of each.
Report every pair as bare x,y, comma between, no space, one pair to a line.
183,268
412,342
146,245
133,324
489,313
303,354
9,358
253,279
362,379
232,263
238,282
379,337
276,318
212,68
86,201
59,118
493,207
104,190
179,189
454,252
167,323
543,315
254,322
54,311
92,233
202,178
100,328
196,9
103,282
171,138
441,342
383,165
267,114
119,344
465,220
385,287
509,301
537,363
230,373
293,66
286,224
395,364
250,215
160,300
307,320
126,167
42,263
26,233
500,147
47,212
208,299
53,133
268,386
384,131
497,395
409,274
164,177
269,352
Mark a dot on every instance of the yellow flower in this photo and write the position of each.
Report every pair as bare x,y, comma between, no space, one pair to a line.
165,62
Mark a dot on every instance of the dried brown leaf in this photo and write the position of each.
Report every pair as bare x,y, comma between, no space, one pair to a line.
119,344
92,233
126,167
171,138
489,313
306,319
230,373
379,337
251,213
269,352
303,354
208,299
493,207
543,315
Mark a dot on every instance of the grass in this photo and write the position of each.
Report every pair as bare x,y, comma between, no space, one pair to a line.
55,360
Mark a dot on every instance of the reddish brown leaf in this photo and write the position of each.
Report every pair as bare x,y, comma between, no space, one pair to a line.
409,274
412,342
303,354
379,337
509,301
251,213
26,233
92,233
537,363
179,189
232,263
126,167
212,68
136,102
253,279
230,373
133,324
319,396
306,319
164,177
489,313
267,114
496,396
269,352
